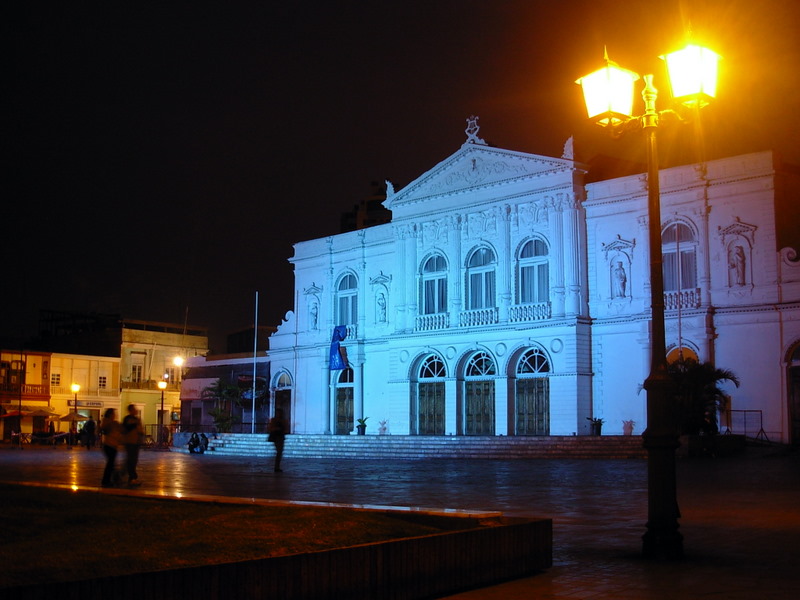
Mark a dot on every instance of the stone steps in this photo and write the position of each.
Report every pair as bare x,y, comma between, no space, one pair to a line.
421,447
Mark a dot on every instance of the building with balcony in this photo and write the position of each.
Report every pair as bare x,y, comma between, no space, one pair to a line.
114,361
37,388
508,296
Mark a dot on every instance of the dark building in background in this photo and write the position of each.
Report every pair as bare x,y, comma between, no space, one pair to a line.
370,211
241,342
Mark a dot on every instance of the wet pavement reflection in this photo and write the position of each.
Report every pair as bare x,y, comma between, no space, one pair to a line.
741,516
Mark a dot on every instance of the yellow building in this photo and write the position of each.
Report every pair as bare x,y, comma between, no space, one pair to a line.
89,363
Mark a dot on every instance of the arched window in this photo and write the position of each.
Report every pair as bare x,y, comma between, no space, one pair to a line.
533,273
479,395
679,249
284,380
428,412
434,286
481,268
532,397
347,301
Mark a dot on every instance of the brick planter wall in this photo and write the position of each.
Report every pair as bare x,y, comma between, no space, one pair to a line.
406,569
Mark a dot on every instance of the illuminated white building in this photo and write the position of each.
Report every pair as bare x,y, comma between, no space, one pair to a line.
508,297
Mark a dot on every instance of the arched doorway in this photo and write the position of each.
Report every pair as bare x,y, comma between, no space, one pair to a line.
427,397
793,379
532,394
344,402
479,395
283,397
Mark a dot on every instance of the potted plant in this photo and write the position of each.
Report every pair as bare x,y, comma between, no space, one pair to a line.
362,425
596,425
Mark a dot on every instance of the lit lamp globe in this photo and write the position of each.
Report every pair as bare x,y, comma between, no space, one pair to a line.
75,389
162,385
608,93
693,75
178,361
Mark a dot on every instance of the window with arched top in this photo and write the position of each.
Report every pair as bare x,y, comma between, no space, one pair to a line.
679,249
434,286
432,367
347,301
428,399
481,268
533,273
284,381
480,364
532,394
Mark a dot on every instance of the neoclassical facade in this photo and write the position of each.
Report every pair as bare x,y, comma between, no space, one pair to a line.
508,297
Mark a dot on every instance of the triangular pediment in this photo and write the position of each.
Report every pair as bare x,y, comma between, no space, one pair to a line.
474,167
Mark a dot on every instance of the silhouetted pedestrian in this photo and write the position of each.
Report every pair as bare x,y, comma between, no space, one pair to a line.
277,435
89,435
110,429
132,435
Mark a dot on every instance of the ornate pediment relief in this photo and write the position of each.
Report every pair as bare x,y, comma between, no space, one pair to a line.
738,228
476,166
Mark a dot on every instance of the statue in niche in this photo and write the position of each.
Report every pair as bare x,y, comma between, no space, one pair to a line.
736,262
313,313
619,280
381,302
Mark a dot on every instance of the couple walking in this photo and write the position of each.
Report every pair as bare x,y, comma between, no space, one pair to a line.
129,433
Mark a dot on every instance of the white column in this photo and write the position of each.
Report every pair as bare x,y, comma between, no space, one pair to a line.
571,255
504,262
455,275
555,219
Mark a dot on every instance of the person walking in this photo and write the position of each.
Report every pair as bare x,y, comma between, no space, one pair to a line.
110,429
89,435
132,435
277,435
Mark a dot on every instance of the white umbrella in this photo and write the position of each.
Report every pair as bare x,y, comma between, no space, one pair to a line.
73,417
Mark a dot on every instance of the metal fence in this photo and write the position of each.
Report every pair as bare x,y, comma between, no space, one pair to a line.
749,423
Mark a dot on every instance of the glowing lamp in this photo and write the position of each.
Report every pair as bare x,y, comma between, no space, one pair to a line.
75,388
162,385
177,361
608,93
693,75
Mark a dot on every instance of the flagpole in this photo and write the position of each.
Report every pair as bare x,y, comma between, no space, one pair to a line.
255,352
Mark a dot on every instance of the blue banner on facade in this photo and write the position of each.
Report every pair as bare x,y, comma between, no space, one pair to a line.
338,355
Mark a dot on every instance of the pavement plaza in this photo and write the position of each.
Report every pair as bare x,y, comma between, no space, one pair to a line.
740,515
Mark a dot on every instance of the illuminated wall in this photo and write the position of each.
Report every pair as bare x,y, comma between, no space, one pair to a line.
508,298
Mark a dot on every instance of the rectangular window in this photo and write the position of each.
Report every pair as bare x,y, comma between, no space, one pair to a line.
136,373
679,276
435,296
55,379
102,382
348,310
481,290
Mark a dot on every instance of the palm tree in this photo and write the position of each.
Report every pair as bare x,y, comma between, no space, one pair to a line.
698,393
224,395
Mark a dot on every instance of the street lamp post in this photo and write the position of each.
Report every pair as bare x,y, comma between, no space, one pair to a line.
75,389
162,385
608,93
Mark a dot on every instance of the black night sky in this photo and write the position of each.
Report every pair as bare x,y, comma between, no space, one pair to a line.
166,155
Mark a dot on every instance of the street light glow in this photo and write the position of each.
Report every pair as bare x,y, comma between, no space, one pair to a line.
693,74
608,93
